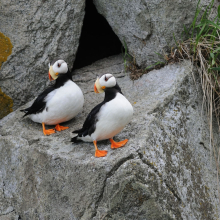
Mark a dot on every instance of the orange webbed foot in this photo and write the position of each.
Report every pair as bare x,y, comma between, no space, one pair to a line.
101,153
60,128
47,132
118,144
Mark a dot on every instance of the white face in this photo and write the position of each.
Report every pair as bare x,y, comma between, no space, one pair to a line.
59,67
106,81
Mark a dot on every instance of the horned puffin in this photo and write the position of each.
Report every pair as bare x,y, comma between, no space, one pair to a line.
59,102
108,118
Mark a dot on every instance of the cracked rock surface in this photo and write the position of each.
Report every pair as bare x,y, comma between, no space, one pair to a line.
148,26
39,31
163,172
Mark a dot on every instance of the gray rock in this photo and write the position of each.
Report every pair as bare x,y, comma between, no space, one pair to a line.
164,171
148,26
42,30
38,30
10,216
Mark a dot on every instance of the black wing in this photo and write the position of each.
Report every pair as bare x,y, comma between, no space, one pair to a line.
39,104
90,122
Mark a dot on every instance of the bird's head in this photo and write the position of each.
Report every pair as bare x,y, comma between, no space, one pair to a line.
56,68
104,82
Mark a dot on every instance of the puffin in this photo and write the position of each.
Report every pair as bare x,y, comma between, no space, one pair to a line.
108,118
58,103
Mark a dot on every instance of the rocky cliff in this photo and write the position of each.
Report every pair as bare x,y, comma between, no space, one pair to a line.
40,30
148,27
163,172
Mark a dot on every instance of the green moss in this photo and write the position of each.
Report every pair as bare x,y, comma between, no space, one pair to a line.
5,48
6,104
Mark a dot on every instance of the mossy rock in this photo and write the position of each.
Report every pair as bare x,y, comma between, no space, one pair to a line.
5,48
6,104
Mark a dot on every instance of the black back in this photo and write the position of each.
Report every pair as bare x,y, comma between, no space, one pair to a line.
40,104
89,125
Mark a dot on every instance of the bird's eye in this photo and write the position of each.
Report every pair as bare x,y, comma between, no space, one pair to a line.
58,65
107,78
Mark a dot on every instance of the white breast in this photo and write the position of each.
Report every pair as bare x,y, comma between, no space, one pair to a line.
62,104
112,118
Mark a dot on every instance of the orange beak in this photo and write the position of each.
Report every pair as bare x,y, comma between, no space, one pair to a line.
50,78
95,89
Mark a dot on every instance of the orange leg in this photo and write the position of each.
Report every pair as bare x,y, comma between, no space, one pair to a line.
60,128
47,132
117,144
99,153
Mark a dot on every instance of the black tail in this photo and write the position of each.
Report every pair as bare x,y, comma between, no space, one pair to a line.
75,140
80,133
25,111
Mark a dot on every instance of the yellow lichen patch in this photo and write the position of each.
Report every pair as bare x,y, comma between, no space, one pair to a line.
5,48
6,104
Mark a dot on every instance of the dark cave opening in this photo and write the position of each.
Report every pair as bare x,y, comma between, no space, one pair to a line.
97,40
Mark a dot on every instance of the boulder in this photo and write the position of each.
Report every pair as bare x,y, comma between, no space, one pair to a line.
35,32
163,172
148,27
38,31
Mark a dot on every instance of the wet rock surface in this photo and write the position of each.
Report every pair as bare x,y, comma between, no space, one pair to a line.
163,172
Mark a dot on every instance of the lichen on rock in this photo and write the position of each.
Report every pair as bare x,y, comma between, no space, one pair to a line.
6,104
39,31
5,48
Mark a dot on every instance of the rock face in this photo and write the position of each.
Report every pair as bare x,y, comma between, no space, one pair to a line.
164,171
148,26
38,30
47,29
